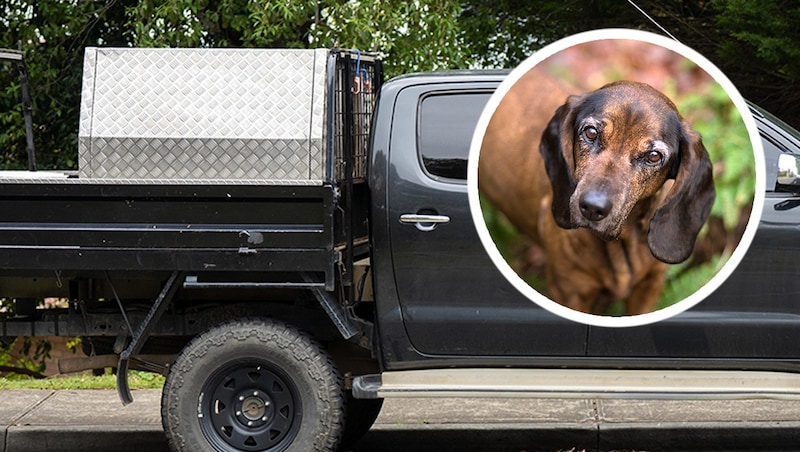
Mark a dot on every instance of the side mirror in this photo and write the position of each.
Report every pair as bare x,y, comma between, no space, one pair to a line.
788,173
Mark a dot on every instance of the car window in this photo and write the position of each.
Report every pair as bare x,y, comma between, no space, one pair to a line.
446,122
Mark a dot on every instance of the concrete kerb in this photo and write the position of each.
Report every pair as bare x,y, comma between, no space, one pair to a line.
479,438
91,420
645,436
15,405
461,437
701,436
85,438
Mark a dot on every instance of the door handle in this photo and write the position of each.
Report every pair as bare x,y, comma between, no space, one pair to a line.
424,222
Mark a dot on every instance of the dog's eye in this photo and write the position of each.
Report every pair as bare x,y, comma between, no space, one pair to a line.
653,157
590,133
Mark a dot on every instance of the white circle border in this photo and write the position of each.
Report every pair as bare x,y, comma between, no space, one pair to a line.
561,310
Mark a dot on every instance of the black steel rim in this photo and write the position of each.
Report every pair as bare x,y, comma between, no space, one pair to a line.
249,406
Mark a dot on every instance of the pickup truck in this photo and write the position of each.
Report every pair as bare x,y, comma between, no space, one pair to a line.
289,240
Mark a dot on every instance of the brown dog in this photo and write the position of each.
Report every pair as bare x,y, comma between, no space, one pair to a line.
612,186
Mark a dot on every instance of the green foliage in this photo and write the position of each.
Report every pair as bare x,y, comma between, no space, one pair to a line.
513,246
764,29
503,232
74,343
53,34
760,45
503,33
683,282
6,308
224,23
33,355
30,353
412,36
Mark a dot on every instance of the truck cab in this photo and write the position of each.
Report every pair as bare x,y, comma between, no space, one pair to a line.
450,306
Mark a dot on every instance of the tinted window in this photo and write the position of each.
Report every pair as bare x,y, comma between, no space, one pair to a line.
446,124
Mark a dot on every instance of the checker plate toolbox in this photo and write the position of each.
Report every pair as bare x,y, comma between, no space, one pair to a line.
213,162
203,114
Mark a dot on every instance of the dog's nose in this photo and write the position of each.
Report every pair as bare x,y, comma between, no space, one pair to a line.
594,205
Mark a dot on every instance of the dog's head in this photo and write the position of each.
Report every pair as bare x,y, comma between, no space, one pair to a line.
610,149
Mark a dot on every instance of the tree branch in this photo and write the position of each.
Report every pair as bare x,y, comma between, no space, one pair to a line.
22,371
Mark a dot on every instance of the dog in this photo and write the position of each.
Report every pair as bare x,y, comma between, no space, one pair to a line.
613,185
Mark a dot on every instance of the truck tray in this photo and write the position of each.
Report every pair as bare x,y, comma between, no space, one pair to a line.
227,161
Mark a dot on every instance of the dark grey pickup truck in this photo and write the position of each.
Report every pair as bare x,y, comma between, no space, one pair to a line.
289,252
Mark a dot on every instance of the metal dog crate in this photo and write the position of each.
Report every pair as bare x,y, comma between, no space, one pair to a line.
225,114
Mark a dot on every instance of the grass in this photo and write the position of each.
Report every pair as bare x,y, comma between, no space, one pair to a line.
136,380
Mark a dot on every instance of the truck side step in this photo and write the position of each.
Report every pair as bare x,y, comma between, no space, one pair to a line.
580,383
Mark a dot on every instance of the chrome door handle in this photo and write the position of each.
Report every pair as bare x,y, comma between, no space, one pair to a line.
424,222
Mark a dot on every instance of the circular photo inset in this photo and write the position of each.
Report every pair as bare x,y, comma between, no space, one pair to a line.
613,177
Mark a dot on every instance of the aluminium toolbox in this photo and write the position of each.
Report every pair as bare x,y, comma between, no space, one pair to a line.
211,115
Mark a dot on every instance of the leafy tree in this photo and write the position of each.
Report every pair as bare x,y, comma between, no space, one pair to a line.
753,41
31,360
760,48
53,34
412,36
756,43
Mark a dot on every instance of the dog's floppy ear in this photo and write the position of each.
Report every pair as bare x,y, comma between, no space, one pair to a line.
556,150
677,221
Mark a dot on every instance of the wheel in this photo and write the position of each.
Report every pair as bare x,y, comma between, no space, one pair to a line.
253,385
360,415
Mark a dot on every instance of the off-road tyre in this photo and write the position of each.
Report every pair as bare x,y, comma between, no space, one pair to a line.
253,385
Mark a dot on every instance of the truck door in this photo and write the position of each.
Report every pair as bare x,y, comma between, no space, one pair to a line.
452,298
